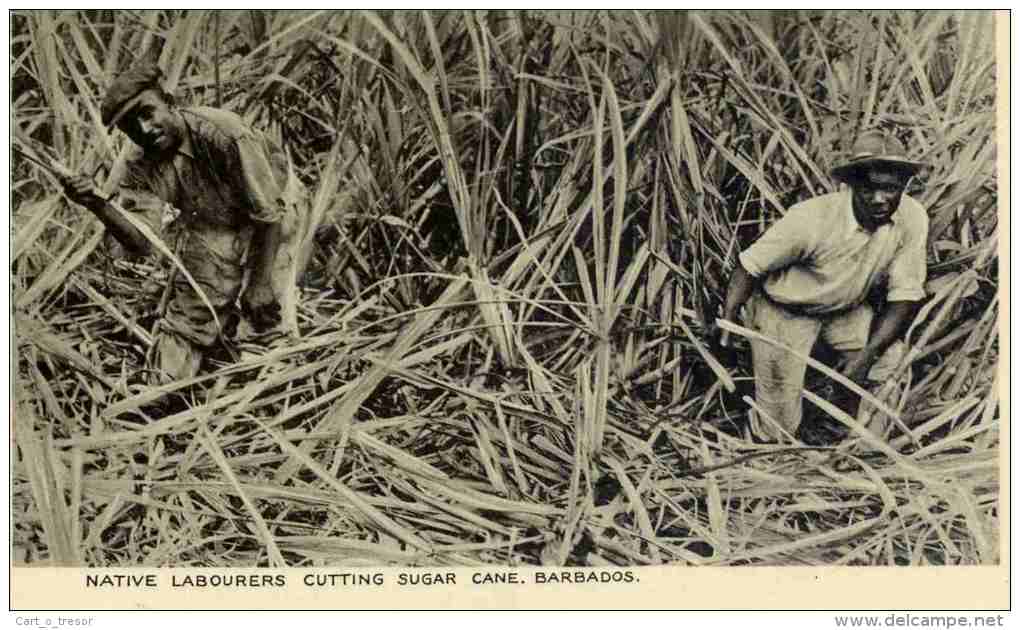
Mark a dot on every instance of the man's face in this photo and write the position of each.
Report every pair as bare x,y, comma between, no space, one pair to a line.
877,196
152,124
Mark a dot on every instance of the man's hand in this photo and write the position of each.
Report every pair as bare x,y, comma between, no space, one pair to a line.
261,307
260,301
81,190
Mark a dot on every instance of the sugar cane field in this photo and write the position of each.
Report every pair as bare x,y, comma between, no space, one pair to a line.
521,226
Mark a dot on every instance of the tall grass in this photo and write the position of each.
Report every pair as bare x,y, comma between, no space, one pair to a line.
521,224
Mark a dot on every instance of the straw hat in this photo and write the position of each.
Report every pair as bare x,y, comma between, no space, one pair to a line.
876,150
127,89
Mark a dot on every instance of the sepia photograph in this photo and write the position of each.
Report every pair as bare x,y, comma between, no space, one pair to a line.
555,295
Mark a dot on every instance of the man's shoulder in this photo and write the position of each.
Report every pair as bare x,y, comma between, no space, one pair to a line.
819,208
211,121
912,206
914,216
826,201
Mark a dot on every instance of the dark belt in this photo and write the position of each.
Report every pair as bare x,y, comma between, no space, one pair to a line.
798,310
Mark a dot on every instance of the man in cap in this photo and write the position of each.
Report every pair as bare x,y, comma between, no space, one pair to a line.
811,274
213,188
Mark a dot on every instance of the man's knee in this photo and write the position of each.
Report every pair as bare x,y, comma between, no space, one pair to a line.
189,317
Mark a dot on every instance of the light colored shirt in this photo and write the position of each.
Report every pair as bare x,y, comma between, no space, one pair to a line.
819,259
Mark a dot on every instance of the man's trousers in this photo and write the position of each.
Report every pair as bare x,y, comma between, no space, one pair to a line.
779,373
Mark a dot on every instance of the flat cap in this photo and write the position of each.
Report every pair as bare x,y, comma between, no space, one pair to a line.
122,95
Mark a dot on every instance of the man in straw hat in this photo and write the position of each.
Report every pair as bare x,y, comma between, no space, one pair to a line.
214,190
815,272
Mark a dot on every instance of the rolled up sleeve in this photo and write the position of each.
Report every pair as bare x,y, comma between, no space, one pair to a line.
260,181
783,244
909,268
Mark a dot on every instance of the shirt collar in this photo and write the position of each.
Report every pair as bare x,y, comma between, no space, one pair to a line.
848,211
896,216
187,146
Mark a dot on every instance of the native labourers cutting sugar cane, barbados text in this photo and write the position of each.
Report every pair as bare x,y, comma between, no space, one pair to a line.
215,191
821,270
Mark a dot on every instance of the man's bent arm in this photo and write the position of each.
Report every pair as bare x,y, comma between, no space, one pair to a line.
260,293
80,190
129,236
890,323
